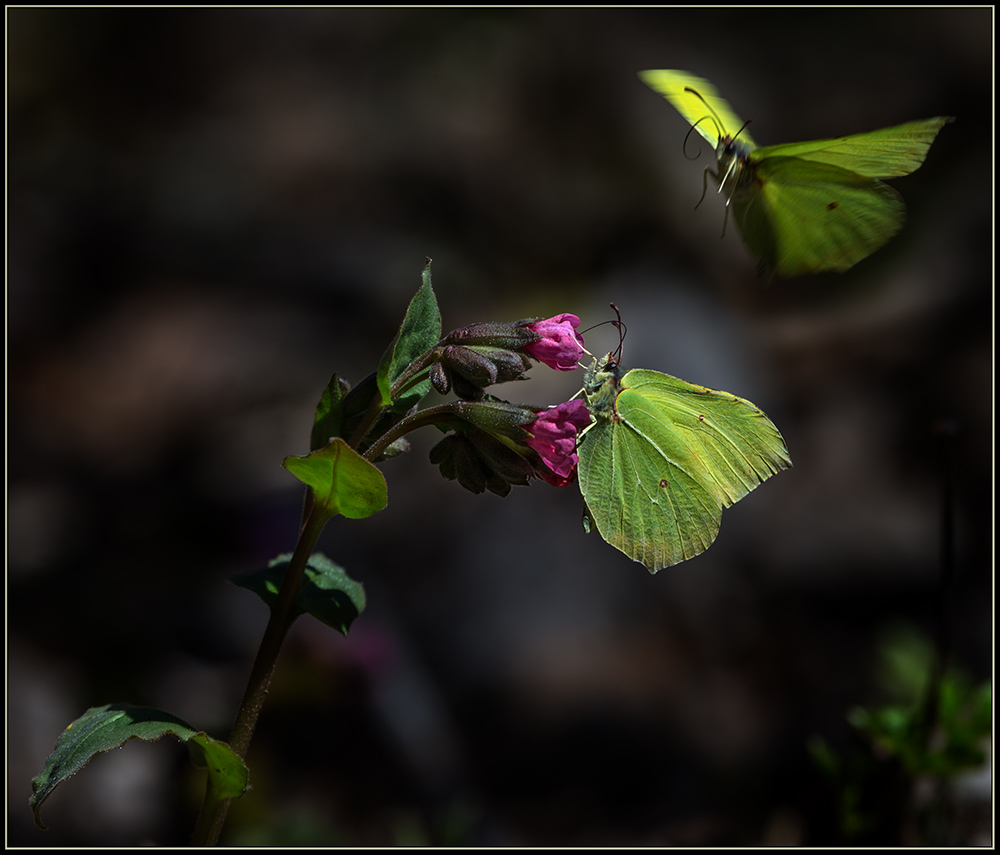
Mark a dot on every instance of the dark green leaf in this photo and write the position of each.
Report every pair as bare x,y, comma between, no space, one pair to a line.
111,726
342,481
823,755
359,399
419,332
327,592
904,660
329,419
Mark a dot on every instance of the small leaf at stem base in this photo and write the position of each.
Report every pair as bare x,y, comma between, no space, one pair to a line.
111,726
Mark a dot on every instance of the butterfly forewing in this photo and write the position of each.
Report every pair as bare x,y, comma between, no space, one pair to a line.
736,445
705,113
886,153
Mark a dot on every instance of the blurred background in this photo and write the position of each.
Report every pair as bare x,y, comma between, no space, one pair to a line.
211,211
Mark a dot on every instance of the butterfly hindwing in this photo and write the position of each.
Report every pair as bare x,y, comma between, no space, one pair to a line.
642,502
797,216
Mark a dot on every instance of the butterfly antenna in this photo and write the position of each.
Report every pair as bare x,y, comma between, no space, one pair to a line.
687,136
622,329
719,127
618,324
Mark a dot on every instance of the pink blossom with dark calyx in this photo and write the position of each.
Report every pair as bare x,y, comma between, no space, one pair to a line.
553,437
560,346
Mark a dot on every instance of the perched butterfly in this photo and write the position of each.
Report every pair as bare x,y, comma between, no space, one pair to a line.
663,457
803,207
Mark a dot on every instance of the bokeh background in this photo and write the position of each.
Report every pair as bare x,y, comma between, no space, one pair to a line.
211,211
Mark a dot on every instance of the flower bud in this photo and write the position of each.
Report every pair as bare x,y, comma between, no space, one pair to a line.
440,379
495,335
559,345
479,366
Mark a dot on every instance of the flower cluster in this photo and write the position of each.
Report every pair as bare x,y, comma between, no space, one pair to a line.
493,444
481,355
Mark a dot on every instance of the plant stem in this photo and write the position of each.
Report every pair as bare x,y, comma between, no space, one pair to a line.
213,810
945,432
409,378
431,416
374,409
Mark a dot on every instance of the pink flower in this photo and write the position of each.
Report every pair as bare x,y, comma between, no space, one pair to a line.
560,346
553,436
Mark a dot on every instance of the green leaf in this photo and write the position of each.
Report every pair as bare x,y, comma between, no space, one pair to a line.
419,332
227,773
963,723
342,481
904,660
329,419
823,755
327,592
111,726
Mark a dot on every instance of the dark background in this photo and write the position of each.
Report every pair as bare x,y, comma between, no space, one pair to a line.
210,211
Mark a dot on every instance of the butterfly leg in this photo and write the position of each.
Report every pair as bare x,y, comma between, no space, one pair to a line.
704,185
722,183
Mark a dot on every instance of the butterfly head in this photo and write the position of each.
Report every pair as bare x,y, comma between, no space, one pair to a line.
601,385
733,157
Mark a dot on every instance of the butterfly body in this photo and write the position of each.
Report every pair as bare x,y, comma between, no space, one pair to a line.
663,457
803,207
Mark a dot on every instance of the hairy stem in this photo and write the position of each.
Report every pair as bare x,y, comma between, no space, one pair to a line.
431,416
406,381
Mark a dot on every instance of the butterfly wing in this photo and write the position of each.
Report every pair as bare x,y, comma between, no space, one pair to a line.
886,153
674,86
738,446
800,216
656,479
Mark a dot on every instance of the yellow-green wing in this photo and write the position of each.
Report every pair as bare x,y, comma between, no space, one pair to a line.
620,475
798,216
887,153
713,124
655,480
738,446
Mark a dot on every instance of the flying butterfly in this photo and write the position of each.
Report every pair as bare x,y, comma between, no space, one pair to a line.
802,207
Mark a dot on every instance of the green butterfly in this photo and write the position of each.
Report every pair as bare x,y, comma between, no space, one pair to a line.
803,207
662,458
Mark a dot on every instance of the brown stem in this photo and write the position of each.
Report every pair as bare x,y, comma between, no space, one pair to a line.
213,812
